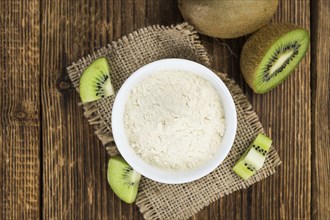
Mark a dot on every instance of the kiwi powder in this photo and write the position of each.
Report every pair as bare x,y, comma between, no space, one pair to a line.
174,120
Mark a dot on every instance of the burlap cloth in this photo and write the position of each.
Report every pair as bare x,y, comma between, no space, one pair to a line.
180,201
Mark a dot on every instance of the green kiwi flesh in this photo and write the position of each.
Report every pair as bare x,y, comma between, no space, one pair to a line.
253,158
123,180
95,82
271,54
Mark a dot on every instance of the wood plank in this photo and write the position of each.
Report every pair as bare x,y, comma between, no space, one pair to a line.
285,113
20,108
169,13
139,12
320,110
152,12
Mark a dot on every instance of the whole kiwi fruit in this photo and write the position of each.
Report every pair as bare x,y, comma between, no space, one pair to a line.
227,18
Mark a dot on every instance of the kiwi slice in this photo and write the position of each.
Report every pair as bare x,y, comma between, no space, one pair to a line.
95,82
253,158
123,180
271,54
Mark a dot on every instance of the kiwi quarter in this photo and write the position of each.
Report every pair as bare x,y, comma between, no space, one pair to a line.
95,82
123,180
271,54
253,158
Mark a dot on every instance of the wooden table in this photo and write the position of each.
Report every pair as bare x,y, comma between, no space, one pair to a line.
52,166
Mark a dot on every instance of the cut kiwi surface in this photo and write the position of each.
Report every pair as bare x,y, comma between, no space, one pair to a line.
95,82
271,54
123,180
253,158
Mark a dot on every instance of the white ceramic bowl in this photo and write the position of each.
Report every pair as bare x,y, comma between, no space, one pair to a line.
155,173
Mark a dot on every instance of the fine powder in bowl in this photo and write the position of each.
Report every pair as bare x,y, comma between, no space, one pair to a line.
174,120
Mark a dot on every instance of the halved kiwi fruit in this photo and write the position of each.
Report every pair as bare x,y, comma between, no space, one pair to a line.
271,54
123,180
95,82
253,158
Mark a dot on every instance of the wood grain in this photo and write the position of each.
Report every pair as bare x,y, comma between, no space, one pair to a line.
285,113
19,104
69,176
39,38
74,161
320,110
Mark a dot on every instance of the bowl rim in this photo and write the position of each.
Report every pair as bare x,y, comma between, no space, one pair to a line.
153,172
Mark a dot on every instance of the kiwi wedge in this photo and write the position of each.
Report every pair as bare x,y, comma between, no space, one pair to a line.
253,158
123,180
270,55
95,82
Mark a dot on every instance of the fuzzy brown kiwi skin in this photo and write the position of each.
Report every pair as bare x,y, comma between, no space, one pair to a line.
227,18
256,47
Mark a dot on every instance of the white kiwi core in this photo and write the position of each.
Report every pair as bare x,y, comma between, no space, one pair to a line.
284,57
